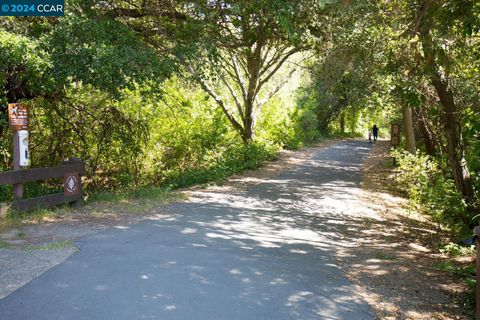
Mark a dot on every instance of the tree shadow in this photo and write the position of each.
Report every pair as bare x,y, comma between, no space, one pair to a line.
267,252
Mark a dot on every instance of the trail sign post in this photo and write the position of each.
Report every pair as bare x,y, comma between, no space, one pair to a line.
18,117
395,138
71,171
395,135
18,120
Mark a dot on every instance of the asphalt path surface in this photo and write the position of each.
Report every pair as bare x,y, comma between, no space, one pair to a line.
267,252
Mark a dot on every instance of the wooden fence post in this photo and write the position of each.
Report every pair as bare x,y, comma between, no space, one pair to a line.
79,201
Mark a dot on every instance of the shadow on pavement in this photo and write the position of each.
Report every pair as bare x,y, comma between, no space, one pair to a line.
268,252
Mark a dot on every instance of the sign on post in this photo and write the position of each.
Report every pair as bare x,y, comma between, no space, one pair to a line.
71,184
70,170
18,121
395,135
18,116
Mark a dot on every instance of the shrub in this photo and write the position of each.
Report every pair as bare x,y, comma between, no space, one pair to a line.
422,179
456,250
233,160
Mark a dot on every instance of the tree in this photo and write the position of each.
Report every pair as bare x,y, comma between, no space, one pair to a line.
252,40
434,21
233,49
72,71
24,66
430,46
346,69
24,71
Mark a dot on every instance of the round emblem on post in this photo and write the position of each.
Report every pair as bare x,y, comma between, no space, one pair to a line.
71,184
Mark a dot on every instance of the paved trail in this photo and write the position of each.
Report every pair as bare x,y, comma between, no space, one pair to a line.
267,252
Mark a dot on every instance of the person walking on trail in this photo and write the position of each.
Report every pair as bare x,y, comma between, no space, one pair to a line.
375,132
370,136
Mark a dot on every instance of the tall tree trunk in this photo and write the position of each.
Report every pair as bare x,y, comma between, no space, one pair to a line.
428,135
248,133
254,65
408,128
451,123
453,135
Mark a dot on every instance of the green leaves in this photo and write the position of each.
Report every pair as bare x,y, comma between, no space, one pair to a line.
24,67
104,54
423,180
76,50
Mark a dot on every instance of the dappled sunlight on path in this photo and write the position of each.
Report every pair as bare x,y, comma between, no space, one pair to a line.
266,252
310,204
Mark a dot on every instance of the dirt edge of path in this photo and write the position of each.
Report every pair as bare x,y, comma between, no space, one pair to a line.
395,259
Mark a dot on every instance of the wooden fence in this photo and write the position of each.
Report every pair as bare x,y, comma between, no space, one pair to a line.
71,171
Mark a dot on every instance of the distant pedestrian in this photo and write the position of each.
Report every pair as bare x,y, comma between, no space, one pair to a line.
375,132
370,136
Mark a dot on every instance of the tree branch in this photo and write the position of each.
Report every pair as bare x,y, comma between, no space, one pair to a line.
276,90
220,103
144,11
275,69
274,59
235,98
129,13
239,78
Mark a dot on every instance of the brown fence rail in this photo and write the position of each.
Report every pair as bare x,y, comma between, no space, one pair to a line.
71,171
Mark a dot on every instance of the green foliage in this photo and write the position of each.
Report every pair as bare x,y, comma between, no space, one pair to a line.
90,126
186,132
102,53
277,123
460,270
471,132
456,250
191,141
467,273
72,74
234,160
22,62
308,124
150,192
422,179
305,128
